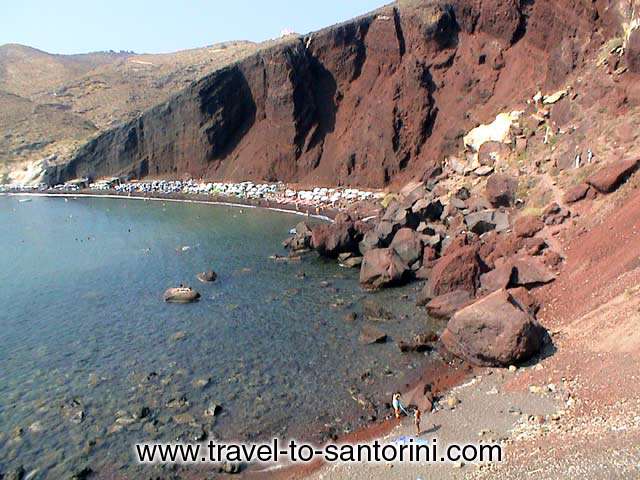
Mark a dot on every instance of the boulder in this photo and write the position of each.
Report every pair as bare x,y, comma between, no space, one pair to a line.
486,220
527,226
459,269
369,241
301,240
180,295
408,245
335,238
493,331
531,272
444,306
554,214
208,276
501,190
382,267
503,276
370,334
527,301
577,193
427,209
612,176
400,216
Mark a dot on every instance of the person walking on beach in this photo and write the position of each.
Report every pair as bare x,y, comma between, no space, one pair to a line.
417,415
397,405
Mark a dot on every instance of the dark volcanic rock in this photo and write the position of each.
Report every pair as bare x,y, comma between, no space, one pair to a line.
612,176
335,238
494,331
382,267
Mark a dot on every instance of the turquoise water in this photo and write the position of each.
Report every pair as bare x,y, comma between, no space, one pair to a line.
88,347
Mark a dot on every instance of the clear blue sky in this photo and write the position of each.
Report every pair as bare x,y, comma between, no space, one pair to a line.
147,26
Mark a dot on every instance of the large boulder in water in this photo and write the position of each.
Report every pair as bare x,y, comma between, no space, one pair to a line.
301,240
335,238
382,267
181,295
494,331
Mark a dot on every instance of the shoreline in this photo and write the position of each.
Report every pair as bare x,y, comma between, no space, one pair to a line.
328,214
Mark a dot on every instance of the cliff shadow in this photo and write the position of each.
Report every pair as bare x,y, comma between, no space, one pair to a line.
324,88
228,111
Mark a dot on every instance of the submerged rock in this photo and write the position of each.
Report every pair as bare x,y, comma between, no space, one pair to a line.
494,331
180,295
208,276
370,335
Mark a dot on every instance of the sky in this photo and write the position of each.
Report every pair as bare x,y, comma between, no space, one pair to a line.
148,26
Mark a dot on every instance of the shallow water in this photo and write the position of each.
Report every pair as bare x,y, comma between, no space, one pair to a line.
83,328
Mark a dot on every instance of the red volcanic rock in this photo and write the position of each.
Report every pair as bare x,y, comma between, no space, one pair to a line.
382,267
493,331
408,245
527,226
369,102
501,190
503,276
457,270
527,301
444,306
531,272
612,176
577,193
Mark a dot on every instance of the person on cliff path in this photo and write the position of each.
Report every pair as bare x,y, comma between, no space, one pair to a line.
417,415
397,405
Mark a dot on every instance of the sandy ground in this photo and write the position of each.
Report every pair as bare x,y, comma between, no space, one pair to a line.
484,413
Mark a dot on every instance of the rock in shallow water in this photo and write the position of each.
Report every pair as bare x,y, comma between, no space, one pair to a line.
181,295
208,276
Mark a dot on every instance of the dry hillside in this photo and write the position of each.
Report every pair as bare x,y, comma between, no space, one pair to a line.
51,104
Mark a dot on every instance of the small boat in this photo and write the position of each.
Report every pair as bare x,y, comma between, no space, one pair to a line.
24,200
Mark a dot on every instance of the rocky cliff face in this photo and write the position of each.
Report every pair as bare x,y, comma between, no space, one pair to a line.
379,99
